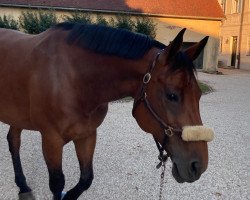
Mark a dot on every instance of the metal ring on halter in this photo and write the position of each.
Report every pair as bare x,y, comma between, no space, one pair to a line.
169,131
146,78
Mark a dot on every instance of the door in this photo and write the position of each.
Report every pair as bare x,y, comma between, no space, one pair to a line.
234,50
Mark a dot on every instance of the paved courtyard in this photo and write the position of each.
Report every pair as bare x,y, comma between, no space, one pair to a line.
125,157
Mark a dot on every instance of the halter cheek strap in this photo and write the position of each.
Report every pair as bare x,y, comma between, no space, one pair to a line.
168,130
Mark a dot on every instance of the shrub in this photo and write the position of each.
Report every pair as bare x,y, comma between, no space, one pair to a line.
111,22
123,21
101,20
143,25
79,17
37,22
204,87
8,22
146,26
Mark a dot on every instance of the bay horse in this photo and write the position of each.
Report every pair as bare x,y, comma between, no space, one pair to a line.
60,82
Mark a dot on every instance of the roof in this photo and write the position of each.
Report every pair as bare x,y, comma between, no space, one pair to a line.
208,9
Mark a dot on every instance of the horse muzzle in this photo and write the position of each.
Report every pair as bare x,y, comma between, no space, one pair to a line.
188,173
190,166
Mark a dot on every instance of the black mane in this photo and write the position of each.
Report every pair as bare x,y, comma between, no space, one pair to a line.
119,42
110,41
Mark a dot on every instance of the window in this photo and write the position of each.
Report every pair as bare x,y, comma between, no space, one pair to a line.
235,7
248,46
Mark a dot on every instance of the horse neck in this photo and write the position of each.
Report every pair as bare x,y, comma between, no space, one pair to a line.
112,78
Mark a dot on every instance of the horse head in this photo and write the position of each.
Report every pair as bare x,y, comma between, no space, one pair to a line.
168,107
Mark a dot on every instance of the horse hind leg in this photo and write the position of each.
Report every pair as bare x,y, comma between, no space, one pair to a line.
14,140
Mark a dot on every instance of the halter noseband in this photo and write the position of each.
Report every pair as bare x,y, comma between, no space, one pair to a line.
168,130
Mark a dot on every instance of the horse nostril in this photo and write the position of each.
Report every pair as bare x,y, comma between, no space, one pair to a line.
195,168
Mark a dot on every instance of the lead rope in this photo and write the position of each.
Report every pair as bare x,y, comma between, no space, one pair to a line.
163,159
163,169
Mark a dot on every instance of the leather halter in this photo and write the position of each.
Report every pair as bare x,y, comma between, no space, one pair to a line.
168,130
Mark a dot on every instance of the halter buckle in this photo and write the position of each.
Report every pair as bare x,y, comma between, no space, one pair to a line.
169,131
146,78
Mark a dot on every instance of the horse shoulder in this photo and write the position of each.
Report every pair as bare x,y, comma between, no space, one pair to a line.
74,125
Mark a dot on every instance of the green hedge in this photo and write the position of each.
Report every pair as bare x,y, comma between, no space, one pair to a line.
124,21
8,22
143,25
35,22
146,26
79,17
101,20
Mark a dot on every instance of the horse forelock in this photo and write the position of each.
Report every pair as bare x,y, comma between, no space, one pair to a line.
183,63
107,40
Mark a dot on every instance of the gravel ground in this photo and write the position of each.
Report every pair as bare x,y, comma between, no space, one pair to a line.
125,157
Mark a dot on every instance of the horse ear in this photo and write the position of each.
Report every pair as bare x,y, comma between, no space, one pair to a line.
173,48
194,51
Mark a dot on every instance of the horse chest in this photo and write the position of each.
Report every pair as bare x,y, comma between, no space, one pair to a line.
95,118
81,127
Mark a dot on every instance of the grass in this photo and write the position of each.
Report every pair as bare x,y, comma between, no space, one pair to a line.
204,87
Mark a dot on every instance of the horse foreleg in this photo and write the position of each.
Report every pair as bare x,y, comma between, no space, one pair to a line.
85,149
14,140
52,151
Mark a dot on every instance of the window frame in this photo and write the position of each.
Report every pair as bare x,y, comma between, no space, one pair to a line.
235,7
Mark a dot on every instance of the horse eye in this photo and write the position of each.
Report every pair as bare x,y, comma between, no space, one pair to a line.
172,97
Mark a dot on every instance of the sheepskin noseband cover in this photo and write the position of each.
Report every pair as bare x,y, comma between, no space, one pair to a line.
197,133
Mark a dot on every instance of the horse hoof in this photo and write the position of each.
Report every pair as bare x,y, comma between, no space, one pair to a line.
26,196
63,194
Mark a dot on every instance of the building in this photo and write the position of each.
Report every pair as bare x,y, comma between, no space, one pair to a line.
200,17
235,34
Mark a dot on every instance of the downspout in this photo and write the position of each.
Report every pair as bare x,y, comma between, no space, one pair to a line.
240,33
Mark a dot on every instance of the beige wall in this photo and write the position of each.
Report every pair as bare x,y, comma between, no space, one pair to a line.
167,29
232,27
